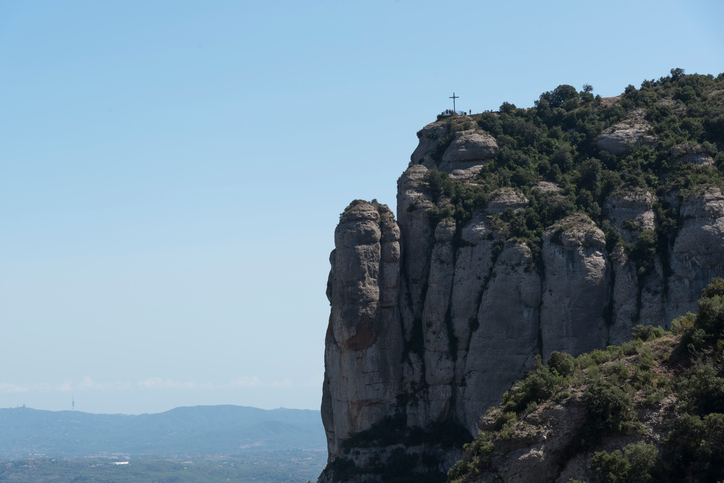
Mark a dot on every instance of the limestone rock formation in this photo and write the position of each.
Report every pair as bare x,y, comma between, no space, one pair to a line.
456,148
576,290
470,145
698,252
467,153
624,136
631,213
505,338
363,342
432,319
686,153
505,198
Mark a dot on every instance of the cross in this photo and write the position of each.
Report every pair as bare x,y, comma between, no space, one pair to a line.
453,98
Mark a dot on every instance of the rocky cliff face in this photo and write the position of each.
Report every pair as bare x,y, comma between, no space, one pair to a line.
432,321
364,342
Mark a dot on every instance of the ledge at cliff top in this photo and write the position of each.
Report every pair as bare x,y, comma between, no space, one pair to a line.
518,233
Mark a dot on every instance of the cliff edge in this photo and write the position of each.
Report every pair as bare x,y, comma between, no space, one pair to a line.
519,233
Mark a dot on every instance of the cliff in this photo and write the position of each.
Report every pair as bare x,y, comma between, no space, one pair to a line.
651,409
519,233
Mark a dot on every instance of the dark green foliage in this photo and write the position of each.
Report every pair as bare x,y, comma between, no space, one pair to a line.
647,332
696,447
555,141
461,199
505,419
609,407
646,361
644,253
703,388
559,96
561,363
711,309
541,383
714,289
634,465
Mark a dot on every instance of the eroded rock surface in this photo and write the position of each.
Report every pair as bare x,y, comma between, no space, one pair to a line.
364,339
631,213
698,252
461,153
433,320
624,136
506,198
685,153
576,289
505,339
467,153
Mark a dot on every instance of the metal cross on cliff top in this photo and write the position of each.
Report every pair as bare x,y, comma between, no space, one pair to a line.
453,98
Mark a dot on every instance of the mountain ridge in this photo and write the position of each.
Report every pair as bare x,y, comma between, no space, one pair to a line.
521,232
185,430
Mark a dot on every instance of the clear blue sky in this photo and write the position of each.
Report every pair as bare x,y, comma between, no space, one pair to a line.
171,172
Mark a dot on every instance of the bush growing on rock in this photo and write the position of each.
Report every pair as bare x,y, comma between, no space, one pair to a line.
620,388
633,465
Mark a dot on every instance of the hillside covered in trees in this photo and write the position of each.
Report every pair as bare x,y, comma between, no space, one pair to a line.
673,145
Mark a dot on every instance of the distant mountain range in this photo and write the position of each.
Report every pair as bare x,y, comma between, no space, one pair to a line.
198,430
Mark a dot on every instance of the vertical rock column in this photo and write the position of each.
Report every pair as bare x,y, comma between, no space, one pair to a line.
636,299
576,290
436,329
364,337
698,252
413,206
504,344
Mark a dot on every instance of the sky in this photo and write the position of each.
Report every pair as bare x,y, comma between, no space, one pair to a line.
171,172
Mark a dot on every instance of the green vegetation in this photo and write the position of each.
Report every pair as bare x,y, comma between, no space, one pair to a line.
679,374
555,141
634,465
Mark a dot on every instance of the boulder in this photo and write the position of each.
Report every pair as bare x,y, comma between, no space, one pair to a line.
624,136
687,153
505,198
467,153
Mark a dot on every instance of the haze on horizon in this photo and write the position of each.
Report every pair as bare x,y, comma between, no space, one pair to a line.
171,173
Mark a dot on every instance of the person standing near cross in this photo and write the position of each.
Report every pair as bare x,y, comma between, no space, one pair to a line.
453,98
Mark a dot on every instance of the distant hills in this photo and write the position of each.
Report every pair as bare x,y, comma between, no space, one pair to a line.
198,430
